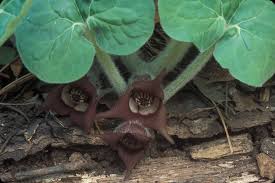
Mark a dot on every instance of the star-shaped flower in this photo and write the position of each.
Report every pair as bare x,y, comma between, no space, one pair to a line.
77,100
130,139
142,101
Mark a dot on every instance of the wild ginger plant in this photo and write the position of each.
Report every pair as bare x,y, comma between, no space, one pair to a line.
58,41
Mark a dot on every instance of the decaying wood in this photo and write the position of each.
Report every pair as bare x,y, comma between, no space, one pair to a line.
196,128
273,128
3,146
48,133
42,133
220,148
51,133
77,162
238,169
243,101
268,147
195,124
266,166
244,120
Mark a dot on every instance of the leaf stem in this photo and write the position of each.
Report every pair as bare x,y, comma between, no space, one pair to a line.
111,71
108,66
169,57
133,62
188,74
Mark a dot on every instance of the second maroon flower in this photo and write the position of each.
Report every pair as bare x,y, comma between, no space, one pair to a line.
77,100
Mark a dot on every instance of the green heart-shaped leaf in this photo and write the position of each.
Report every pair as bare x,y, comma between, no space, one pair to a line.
51,41
84,7
197,21
11,13
121,26
229,7
243,31
247,49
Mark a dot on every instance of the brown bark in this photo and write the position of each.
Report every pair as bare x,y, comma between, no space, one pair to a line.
241,169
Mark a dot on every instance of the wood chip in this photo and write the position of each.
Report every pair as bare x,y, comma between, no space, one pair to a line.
219,148
213,91
243,102
246,120
266,166
273,128
268,147
48,134
197,128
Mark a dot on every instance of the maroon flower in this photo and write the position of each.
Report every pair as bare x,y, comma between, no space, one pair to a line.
130,139
77,100
142,101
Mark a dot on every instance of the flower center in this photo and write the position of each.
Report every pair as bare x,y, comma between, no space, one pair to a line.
143,99
143,102
130,142
77,95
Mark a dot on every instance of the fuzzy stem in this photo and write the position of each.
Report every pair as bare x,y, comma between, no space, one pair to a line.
108,66
111,71
169,57
133,62
188,74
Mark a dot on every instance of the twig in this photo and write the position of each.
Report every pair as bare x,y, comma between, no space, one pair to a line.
4,75
26,118
224,126
1,136
30,132
56,119
7,65
4,67
23,90
226,99
17,104
17,82
198,110
97,127
63,168
19,112
7,141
